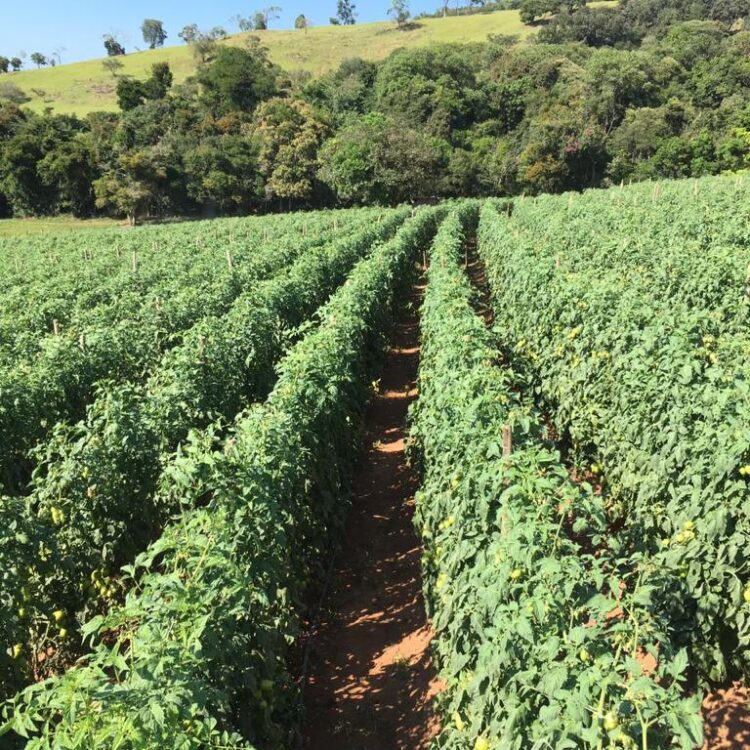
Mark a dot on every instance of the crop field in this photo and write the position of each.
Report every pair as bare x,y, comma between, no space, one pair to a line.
193,416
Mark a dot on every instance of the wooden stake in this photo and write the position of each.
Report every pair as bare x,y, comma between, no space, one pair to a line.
229,260
507,440
135,261
56,327
82,342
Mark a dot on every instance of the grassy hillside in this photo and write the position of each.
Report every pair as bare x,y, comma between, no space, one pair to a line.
83,87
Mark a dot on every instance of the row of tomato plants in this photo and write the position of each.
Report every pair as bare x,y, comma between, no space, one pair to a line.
108,484
197,655
547,631
63,277
61,380
685,244
654,390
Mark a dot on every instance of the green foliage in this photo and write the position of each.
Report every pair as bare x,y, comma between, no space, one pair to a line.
223,171
399,10
236,80
523,582
132,93
496,118
121,456
375,159
153,33
533,10
345,13
287,136
200,655
113,47
636,340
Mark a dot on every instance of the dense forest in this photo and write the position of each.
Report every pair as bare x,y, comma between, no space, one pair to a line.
647,89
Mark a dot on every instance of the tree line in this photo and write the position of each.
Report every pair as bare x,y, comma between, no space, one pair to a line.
647,89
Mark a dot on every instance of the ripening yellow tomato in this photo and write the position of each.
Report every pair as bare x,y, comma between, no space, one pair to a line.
611,721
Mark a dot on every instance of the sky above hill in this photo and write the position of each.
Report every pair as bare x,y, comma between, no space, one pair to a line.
74,28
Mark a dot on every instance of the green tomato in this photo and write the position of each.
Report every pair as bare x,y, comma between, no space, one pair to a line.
611,721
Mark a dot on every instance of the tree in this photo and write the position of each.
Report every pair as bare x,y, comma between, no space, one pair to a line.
16,63
288,136
301,22
400,11
112,65
236,80
203,43
113,47
157,86
432,86
153,33
4,64
70,169
30,179
263,18
376,159
129,93
531,10
132,188
244,24
221,171
38,59
345,15
189,33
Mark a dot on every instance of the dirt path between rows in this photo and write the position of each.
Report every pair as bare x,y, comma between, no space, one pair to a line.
371,679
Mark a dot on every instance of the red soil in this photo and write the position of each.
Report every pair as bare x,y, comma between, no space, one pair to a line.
371,680
727,718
